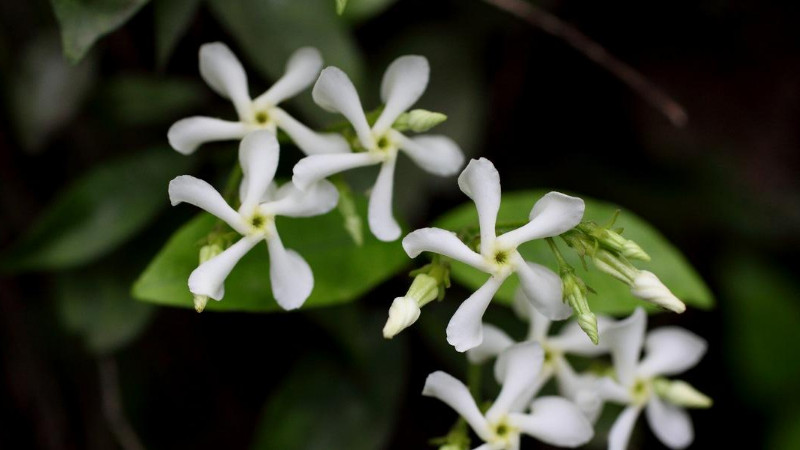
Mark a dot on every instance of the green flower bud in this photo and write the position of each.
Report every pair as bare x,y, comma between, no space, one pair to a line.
575,295
418,120
681,393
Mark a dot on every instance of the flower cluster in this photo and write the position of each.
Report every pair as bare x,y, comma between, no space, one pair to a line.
522,369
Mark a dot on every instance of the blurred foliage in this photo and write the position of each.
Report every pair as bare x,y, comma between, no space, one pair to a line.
172,19
342,270
139,100
612,297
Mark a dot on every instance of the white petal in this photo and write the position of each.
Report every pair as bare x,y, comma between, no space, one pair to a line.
187,134
495,341
612,391
483,447
318,199
209,278
670,351
443,242
670,423
581,389
335,92
403,84
543,288
258,157
481,182
464,330
624,338
313,168
439,155
623,427
225,74
379,214
454,394
290,275
555,421
552,215
301,70
309,141
519,366
188,189
571,339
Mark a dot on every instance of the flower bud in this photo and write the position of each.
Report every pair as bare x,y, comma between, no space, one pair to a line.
575,295
418,120
631,250
648,287
615,266
403,312
200,302
681,393
207,252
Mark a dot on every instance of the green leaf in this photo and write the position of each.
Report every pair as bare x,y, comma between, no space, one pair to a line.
342,271
613,297
340,6
172,19
270,31
362,10
100,211
97,305
136,100
83,22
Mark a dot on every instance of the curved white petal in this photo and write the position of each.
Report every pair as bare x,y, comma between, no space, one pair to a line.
481,182
209,278
302,69
671,424
670,351
436,154
454,394
379,213
187,134
308,140
258,157
495,341
623,427
318,199
581,389
403,84
571,339
313,168
224,73
519,366
612,391
290,275
188,189
465,331
443,242
552,215
543,288
624,338
555,421
335,92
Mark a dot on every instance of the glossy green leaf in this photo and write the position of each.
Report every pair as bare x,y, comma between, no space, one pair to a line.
100,211
83,22
613,297
172,19
362,10
342,271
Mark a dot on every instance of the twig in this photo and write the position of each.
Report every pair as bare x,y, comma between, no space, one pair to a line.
597,53
112,406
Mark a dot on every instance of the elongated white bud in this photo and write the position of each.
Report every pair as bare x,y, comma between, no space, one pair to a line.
681,393
402,314
649,288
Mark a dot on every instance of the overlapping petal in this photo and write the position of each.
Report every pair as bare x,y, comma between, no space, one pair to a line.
335,92
188,189
625,339
224,73
313,168
543,288
495,341
452,392
481,182
187,134
209,278
443,242
555,421
317,199
670,351
465,330
302,69
403,84
436,154
552,215
258,158
290,275
518,367
308,140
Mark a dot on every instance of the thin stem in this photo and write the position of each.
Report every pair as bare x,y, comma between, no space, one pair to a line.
597,53
562,263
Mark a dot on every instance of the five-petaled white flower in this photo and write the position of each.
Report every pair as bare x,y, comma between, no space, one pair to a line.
403,83
553,420
223,72
668,351
552,215
290,275
579,388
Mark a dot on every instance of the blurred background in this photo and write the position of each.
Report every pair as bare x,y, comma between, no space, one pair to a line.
84,165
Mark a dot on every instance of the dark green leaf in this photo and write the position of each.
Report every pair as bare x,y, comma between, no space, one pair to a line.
613,297
100,211
84,21
342,271
172,19
362,10
134,100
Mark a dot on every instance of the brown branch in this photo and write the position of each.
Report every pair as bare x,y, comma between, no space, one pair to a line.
594,51
112,406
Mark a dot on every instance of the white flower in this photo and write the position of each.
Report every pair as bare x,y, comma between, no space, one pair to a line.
668,351
579,388
290,275
553,420
552,215
223,72
403,83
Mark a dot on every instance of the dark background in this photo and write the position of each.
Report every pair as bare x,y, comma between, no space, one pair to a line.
724,189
